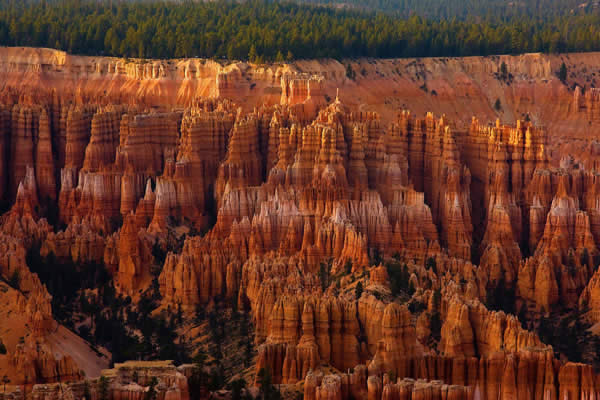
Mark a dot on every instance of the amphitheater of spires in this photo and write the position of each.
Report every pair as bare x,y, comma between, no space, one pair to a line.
269,197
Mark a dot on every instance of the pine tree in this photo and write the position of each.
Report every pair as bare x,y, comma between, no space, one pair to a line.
358,290
5,381
267,390
103,388
151,393
236,388
133,28
585,257
562,73
87,394
497,105
324,276
503,71
435,325
431,264
15,279
350,72
252,54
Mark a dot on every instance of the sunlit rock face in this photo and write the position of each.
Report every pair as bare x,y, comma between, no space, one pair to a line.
365,243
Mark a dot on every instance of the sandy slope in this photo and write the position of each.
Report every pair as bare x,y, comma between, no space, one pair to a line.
14,325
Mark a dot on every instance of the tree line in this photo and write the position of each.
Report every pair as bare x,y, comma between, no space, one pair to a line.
265,30
447,9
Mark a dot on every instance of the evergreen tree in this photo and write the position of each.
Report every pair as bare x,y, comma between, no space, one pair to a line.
350,72
151,392
501,297
435,325
236,388
503,71
86,391
267,390
198,382
5,381
585,257
571,267
562,73
324,275
497,105
437,299
431,264
252,55
103,388
15,279
348,267
358,290
435,321
410,28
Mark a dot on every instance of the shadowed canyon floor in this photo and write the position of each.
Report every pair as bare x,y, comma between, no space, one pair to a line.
296,226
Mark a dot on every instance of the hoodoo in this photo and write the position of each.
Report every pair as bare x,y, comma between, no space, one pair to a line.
294,226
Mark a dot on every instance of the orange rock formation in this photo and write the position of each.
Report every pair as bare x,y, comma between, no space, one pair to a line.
364,239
